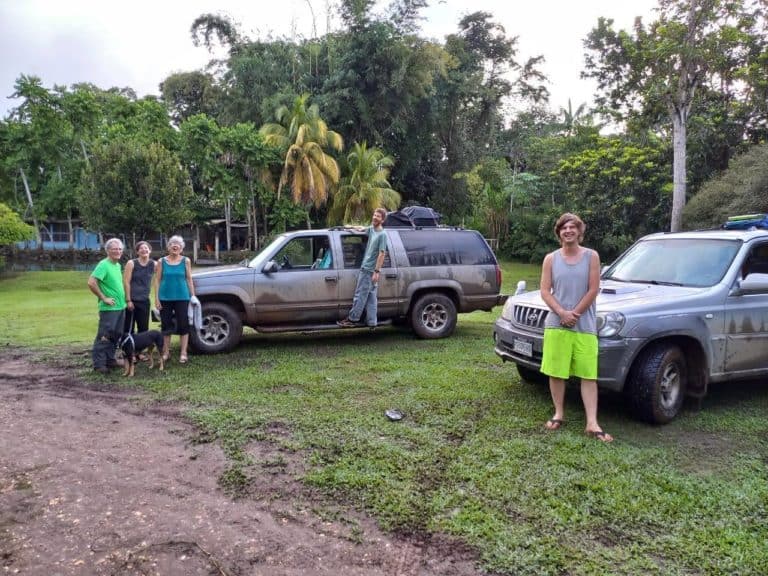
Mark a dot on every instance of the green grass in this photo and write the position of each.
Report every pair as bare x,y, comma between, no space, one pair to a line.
471,458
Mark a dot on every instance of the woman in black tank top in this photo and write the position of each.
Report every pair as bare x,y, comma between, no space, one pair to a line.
137,280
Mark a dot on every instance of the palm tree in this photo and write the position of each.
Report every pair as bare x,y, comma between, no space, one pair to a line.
365,188
304,137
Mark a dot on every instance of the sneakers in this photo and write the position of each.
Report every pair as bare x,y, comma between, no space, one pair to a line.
101,369
346,323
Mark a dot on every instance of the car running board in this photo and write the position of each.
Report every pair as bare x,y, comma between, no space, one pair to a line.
315,327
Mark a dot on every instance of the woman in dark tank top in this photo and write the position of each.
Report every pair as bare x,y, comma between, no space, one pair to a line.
137,280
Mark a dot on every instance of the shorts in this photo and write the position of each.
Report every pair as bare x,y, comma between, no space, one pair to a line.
568,353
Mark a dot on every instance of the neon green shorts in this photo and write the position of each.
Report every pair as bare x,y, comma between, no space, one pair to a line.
568,353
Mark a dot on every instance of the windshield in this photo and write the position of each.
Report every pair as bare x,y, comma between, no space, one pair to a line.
259,260
675,261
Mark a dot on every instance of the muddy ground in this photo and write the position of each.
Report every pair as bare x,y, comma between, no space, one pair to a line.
96,480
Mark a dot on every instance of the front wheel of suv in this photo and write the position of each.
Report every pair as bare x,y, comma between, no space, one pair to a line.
433,316
221,331
656,386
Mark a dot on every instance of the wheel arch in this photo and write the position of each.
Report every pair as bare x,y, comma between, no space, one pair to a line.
230,300
444,290
696,360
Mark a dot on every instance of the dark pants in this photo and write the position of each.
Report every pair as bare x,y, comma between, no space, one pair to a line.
138,317
107,336
174,317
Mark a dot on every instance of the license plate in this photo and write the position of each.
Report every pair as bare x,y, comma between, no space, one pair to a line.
523,347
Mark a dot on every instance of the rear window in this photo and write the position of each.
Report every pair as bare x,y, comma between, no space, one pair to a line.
441,247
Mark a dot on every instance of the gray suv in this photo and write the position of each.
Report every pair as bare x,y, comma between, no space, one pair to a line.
675,312
305,280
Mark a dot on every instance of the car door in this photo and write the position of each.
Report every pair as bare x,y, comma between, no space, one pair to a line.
303,287
353,248
747,319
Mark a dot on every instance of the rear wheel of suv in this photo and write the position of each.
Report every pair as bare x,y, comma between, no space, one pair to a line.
656,386
531,375
433,316
221,331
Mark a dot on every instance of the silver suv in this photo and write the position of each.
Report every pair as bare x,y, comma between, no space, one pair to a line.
305,280
675,312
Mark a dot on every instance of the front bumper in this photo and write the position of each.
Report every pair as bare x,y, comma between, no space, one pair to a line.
614,357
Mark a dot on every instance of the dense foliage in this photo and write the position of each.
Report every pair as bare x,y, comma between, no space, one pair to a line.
283,133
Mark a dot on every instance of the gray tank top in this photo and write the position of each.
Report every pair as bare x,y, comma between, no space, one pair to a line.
569,284
141,279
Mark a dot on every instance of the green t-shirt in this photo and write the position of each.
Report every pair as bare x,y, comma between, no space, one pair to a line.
110,277
377,242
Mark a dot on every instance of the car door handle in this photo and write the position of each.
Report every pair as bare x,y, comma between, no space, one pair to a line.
331,279
391,275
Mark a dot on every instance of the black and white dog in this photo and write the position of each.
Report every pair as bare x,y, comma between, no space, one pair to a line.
133,344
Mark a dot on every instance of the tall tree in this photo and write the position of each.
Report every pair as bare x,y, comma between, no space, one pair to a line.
188,93
309,171
365,186
720,44
134,187
469,101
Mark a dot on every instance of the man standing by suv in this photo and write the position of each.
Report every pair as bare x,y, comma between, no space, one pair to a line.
570,282
365,298
106,283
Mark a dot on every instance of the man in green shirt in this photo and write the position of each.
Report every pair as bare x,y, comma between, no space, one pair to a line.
106,283
365,298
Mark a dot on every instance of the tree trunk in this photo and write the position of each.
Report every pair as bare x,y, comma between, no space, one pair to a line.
678,168
71,230
31,209
255,225
228,218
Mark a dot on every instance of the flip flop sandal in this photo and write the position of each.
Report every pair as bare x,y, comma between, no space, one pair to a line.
183,360
554,424
600,436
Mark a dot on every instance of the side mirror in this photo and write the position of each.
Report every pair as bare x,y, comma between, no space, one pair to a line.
521,286
270,267
752,284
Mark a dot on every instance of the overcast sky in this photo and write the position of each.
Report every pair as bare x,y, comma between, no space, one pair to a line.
137,44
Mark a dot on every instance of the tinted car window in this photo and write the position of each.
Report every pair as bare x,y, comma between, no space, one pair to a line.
353,247
440,247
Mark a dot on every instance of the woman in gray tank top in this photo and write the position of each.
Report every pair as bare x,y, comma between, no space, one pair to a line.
570,282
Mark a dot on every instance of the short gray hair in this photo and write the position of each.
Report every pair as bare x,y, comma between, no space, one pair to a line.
111,241
175,240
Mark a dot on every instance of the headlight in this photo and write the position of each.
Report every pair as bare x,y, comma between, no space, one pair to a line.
506,312
609,323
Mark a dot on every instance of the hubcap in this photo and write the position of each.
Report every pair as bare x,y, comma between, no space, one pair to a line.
670,386
215,330
434,317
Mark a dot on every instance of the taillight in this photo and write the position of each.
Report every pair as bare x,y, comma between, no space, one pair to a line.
498,276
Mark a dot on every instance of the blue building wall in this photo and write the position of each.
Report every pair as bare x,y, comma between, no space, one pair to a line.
84,240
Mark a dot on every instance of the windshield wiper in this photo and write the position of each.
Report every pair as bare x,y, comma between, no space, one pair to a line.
613,278
657,282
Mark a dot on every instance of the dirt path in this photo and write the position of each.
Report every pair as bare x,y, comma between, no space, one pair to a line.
99,481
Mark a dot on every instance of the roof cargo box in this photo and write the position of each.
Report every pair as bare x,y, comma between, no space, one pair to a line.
413,217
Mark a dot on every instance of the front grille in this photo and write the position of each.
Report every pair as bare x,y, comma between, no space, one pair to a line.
530,316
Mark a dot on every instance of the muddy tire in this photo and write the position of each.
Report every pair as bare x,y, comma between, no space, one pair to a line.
656,386
221,332
531,375
433,316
